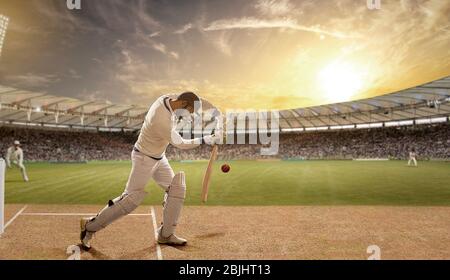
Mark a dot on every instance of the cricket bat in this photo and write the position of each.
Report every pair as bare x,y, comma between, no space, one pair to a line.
207,176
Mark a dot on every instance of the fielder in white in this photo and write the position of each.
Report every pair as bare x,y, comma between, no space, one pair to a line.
149,161
14,155
412,158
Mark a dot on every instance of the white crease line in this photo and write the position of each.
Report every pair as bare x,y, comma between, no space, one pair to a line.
155,226
15,216
73,214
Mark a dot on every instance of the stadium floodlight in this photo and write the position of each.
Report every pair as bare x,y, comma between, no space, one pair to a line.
4,21
2,196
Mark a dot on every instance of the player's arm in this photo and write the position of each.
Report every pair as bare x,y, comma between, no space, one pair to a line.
216,134
216,126
178,141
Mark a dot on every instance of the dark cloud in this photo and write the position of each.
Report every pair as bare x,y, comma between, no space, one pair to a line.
260,54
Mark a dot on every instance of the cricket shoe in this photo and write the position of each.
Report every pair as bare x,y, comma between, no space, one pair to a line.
85,236
171,240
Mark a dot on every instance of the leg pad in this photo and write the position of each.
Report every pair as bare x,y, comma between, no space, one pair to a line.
119,207
173,204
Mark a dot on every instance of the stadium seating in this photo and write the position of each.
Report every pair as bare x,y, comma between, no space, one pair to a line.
430,142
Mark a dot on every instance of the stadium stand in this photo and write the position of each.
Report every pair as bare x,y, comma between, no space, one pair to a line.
430,142
62,129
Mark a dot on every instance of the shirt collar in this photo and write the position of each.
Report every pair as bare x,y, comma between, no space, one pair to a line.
167,104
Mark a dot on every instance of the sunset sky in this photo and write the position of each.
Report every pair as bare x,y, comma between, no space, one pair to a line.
240,54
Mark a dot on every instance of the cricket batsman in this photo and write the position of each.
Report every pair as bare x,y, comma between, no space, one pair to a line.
15,155
149,162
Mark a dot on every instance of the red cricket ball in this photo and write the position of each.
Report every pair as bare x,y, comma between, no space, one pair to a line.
226,168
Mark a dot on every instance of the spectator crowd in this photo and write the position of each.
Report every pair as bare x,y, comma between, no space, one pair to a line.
429,142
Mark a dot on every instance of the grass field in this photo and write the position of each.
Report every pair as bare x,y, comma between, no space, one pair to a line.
248,183
333,209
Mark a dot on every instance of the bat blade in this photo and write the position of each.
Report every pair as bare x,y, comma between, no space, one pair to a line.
208,172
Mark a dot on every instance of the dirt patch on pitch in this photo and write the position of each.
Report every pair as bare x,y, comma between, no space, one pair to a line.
38,234
313,233
12,210
241,233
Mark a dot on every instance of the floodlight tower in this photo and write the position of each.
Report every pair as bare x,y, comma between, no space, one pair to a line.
4,21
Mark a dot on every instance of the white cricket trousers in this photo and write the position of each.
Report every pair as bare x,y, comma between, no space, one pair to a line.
22,168
145,168
413,160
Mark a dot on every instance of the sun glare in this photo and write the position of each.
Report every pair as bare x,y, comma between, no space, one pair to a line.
340,81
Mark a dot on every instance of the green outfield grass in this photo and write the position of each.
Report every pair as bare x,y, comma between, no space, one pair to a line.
248,183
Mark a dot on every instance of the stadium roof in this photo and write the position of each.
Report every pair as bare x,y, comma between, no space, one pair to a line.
431,100
20,106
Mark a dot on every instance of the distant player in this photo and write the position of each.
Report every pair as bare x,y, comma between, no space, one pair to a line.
14,155
412,158
149,161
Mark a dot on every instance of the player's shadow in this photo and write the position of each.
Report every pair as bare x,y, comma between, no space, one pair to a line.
210,235
190,247
185,248
96,254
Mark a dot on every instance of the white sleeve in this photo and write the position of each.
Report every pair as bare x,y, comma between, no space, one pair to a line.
178,141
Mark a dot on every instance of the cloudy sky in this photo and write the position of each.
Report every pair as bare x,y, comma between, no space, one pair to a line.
259,54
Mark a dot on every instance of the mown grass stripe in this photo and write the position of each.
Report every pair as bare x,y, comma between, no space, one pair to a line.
248,183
